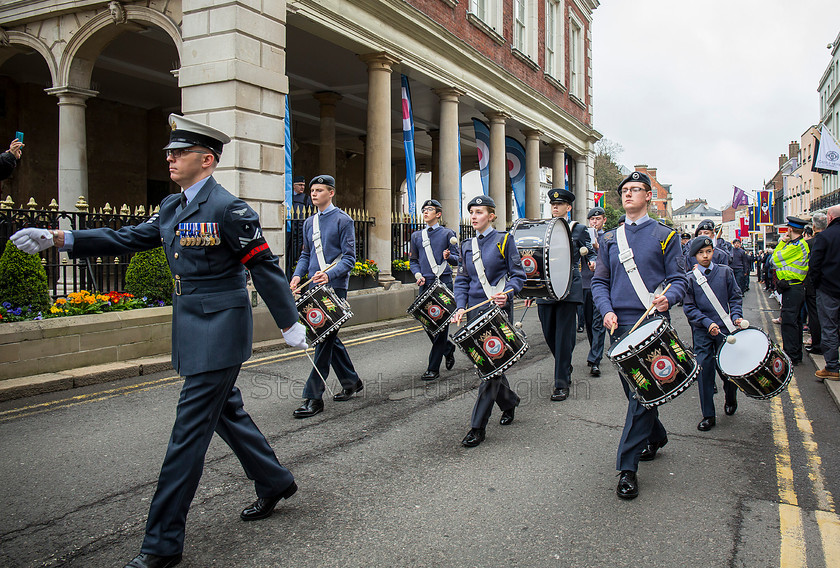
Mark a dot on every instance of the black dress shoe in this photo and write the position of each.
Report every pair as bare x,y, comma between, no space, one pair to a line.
560,394
144,560
628,487
310,407
706,424
473,438
730,409
450,360
507,416
429,376
813,350
347,394
649,452
595,370
264,506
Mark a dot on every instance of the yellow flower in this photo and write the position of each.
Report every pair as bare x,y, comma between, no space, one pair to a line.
61,301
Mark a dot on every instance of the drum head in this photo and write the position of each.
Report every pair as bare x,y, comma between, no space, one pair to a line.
636,337
559,252
746,354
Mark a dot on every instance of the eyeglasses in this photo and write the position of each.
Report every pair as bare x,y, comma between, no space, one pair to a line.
428,210
626,190
179,152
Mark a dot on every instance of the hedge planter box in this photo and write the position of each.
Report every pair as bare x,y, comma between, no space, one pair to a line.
362,282
404,276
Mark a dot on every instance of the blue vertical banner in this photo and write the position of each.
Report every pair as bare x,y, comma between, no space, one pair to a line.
482,146
408,143
287,123
515,153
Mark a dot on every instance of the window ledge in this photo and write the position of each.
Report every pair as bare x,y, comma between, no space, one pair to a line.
485,27
525,58
555,83
577,101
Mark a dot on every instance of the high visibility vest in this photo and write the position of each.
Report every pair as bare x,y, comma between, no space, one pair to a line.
791,260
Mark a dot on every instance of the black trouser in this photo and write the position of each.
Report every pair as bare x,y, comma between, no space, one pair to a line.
792,299
814,326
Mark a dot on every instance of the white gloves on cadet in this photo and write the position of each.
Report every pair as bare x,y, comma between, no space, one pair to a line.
33,241
296,336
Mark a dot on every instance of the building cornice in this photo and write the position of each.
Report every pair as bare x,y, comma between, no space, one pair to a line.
17,12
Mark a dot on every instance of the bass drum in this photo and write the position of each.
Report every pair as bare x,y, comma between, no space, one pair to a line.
545,246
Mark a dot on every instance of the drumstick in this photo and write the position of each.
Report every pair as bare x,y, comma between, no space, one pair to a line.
302,286
318,371
518,325
647,311
508,291
730,339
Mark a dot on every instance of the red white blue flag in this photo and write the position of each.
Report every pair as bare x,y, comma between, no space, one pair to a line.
408,143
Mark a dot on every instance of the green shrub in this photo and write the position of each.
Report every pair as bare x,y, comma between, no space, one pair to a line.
148,276
23,280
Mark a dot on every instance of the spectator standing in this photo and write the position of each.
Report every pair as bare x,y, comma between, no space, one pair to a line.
819,222
825,263
739,264
9,159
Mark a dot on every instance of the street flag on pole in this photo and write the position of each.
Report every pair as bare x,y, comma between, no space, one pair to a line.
599,199
739,197
482,143
826,153
515,153
765,216
287,125
745,226
408,142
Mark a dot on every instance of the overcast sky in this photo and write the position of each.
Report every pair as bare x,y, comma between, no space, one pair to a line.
710,93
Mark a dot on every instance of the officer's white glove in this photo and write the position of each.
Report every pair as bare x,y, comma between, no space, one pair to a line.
296,336
32,240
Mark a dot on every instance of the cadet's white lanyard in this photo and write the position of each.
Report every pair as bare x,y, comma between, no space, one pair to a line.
316,238
710,295
625,256
489,290
437,269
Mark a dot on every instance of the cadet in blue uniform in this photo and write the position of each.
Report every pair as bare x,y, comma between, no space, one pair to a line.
503,270
708,327
210,237
558,318
335,242
706,228
656,255
595,331
444,254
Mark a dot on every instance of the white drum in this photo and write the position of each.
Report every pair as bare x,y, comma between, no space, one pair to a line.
545,247
755,364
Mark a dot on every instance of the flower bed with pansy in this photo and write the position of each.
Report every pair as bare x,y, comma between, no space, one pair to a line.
77,303
366,268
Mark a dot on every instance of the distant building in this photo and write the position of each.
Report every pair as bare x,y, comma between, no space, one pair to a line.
661,201
687,217
803,185
829,89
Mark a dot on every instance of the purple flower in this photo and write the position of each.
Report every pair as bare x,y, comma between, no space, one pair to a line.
7,305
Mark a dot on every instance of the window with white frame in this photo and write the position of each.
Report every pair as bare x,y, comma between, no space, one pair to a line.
576,58
554,60
525,22
489,12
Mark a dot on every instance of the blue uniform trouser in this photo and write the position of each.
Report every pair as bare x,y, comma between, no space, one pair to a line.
494,390
792,301
641,425
742,279
331,351
558,327
705,349
595,331
440,343
829,307
209,402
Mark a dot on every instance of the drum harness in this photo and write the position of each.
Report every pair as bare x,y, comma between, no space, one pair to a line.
703,282
489,290
625,256
437,269
316,238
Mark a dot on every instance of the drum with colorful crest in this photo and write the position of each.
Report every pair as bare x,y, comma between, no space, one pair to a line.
545,247
754,363
491,342
322,312
434,307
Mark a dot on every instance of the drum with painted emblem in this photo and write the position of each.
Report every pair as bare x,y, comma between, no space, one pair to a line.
322,312
434,307
491,343
545,247
755,364
654,362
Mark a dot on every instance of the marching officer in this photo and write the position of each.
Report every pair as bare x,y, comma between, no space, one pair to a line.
791,262
632,261
595,331
432,255
557,318
494,271
328,236
210,237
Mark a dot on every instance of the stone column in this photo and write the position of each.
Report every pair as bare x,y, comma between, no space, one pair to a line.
582,181
498,166
435,165
378,159
326,161
450,172
532,174
233,77
72,145
558,165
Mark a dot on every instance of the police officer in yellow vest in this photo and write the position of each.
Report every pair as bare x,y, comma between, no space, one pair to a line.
791,261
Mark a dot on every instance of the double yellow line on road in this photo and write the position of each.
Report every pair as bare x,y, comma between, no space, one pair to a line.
76,400
791,523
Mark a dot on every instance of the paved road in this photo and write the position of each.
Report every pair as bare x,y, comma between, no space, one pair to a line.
384,480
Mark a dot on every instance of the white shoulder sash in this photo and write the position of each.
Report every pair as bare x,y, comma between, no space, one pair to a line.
489,290
710,295
437,269
625,256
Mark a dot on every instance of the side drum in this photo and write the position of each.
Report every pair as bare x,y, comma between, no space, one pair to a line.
491,343
434,307
322,312
545,247
654,362
755,364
